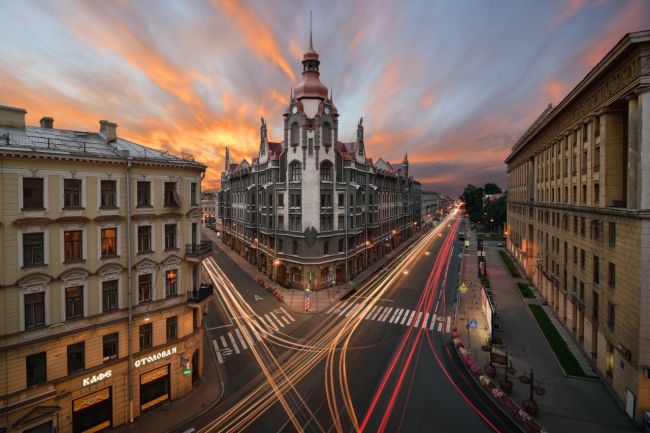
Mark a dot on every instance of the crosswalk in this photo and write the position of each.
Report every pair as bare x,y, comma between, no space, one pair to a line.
233,341
394,316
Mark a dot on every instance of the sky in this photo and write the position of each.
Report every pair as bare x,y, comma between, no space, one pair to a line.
452,83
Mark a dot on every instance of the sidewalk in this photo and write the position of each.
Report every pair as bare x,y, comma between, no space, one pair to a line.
569,404
165,418
319,300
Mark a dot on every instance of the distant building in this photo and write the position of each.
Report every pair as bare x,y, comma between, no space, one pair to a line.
578,219
312,210
209,208
90,225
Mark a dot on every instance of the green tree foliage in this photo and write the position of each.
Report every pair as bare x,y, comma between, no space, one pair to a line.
491,188
493,214
473,198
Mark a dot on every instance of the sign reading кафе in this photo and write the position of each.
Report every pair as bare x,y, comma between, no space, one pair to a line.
155,357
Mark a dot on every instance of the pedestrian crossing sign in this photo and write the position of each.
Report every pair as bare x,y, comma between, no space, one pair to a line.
463,287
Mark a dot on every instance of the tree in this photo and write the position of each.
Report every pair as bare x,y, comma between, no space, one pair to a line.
473,198
491,188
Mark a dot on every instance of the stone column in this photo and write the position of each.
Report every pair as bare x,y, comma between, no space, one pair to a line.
643,141
632,153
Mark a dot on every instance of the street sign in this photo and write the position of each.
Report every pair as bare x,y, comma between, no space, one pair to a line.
258,298
473,324
187,371
463,287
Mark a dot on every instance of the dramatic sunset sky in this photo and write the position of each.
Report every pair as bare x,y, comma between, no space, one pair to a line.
453,83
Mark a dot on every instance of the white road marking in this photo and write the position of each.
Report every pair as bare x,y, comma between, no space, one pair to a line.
234,345
408,323
406,314
433,322
437,303
392,318
448,324
385,315
223,341
245,331
268,320
241,339
348,306
377,313
285,319
287,314
217,351
440,326
334,307
372,310
424,322
190,430
276,319
417,322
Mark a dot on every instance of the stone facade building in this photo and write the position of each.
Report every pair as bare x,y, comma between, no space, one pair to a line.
579,215
100,300
311,210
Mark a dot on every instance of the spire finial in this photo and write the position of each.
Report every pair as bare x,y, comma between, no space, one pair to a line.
311,45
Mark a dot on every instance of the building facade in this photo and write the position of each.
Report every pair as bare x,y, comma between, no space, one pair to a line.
100,307
579,215
432,206
311,211
209,208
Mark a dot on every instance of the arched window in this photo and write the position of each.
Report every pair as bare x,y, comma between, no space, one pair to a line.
327,134
295,134
296,172
326,171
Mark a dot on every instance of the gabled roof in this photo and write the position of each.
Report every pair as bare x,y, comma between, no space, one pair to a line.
346,150
275,149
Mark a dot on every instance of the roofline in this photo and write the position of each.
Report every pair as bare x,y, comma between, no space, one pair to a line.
627,41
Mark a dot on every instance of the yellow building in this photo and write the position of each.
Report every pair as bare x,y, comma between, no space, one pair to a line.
579,216
100,277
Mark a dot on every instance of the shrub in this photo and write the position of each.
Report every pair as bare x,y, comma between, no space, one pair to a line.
511,266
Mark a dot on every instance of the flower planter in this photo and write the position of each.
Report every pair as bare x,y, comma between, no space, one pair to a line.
506,386
490,370
530,406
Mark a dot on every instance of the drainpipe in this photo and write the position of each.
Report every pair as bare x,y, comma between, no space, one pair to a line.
129,279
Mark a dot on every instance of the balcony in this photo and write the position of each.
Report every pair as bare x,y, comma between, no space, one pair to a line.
196,252
198,297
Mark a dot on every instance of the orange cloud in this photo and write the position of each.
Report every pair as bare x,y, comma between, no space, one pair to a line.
556,90
257,33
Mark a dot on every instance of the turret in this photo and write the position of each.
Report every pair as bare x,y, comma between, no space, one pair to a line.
405,165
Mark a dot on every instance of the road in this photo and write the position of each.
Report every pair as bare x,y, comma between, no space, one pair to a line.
378,361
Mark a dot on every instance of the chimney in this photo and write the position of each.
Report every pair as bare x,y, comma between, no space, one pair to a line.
47,122
12,117
108,130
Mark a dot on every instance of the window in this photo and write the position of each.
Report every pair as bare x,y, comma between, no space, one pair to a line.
295,200
575,224
295,135
326,247
193,193
582,227
575,255
327,134
341,222
108,194
172,328
612,234
596,193
280,200
611,315
325,200
36,368
109,295
110,346
596,270
597,159
281,245
311,146
170,237
597,126
584,132
595,229
76,357
34,309
33,249
72,193
143,194
295,223
582,259
280,222
294,247
340,245
584,193
341,201
33,193
611,278
171,197
72,245
144,287
171,282
326,171
296,172
146,336
74,302
144,239
109,242
594,309
326,222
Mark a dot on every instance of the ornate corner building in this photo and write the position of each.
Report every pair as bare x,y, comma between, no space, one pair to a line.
100,277
311,210
579,216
